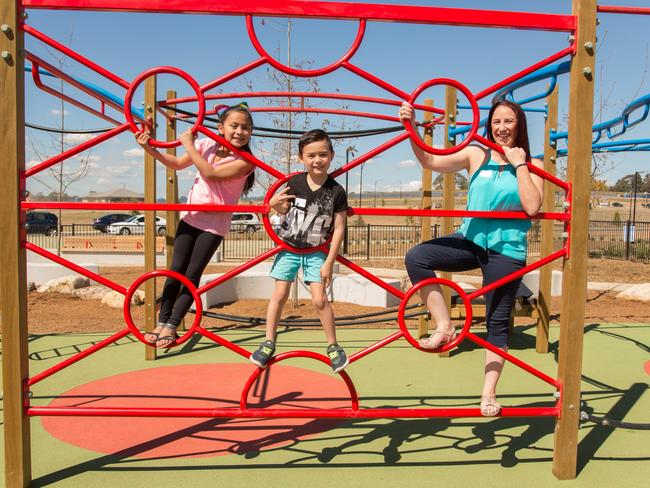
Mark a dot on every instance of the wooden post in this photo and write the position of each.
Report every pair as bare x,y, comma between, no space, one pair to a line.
13,278
171,191
425,224
448,186
150,217
546,272
574,279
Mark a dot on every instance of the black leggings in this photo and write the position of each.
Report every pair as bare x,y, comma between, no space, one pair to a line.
193,249
455,253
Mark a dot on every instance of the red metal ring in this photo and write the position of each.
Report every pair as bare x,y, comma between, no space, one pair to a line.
354,398
309,72
151,274
475,116
269,228
172,71
433,281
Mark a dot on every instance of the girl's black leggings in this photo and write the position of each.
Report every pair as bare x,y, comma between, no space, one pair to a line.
455,253
193,249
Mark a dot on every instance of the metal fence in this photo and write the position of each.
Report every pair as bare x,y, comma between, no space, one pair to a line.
607,239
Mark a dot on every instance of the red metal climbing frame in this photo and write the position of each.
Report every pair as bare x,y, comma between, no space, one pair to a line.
362,13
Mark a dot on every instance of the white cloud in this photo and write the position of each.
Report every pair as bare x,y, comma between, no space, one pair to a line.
408,163
76,138
134,153
415,184
103,181
31,163
55,111
118,169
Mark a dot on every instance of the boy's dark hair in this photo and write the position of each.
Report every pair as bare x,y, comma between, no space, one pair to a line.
242,108
522,128
314,135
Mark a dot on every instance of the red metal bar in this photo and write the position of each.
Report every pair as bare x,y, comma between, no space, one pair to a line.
497,86
517,362
224,342
379,82
76,150
77,57
36,77
615,9
145,206
485,214
77,357
269,413
517,274
377,345
233,74
379,282
239,269
74,267
531,167
328,10
370,154
248,157
243,399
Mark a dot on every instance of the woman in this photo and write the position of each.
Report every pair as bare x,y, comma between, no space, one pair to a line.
498,182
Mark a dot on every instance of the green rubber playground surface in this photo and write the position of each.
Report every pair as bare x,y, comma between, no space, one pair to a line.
100,452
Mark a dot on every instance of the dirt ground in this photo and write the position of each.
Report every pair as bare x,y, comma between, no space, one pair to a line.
53,313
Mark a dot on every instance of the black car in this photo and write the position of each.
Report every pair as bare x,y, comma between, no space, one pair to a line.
100,223
42,223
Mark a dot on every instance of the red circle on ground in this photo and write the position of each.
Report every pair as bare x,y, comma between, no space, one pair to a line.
646,366
197,386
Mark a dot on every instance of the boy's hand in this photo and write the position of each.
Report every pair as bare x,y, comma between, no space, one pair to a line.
187,138
326,271
281,198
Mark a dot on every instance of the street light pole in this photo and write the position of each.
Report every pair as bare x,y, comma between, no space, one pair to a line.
349,150
374,201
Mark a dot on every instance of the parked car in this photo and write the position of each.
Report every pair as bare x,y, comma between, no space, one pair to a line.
42,223
135,225
245,222
100,223
617,204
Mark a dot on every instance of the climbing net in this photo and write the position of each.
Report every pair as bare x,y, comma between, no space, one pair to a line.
202,95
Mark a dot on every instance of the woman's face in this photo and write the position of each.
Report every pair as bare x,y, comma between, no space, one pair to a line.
237,128
504,126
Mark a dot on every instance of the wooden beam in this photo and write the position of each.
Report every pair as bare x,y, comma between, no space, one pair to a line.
13,278
150,217
574,279
548,226
425,223
171,191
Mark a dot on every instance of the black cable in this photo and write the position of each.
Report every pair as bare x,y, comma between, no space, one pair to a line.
614,424
67,131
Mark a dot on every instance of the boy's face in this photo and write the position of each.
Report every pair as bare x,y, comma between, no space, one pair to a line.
317,157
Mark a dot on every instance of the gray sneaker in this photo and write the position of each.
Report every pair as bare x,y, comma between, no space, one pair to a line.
264,352
338,358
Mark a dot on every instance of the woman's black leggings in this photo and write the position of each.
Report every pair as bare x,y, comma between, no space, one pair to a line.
455,253
193,249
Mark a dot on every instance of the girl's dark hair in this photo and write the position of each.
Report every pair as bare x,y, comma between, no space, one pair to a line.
522,128
241,108
314,135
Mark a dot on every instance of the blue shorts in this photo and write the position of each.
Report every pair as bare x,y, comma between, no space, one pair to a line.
286,266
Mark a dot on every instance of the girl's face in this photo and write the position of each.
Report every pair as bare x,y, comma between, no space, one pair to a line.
504,126
237,128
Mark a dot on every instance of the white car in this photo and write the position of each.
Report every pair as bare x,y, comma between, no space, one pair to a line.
135,225
245,222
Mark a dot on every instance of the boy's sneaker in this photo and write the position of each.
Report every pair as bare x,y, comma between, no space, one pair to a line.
260,357
338,358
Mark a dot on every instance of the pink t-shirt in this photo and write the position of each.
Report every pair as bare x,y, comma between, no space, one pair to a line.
207,192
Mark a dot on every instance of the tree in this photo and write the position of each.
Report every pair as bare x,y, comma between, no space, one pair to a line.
462,182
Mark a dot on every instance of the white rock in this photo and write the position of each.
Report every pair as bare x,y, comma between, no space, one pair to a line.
640,292
64,285
116,300
96,292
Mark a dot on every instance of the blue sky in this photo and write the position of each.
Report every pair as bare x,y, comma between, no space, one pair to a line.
404,55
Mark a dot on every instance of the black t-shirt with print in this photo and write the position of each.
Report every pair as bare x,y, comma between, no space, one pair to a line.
310,220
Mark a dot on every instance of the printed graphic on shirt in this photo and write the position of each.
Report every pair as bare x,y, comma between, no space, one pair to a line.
310,219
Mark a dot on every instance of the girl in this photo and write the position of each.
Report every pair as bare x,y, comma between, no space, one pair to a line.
497,246
222,177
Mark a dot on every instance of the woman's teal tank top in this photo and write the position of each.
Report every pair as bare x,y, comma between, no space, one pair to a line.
491,189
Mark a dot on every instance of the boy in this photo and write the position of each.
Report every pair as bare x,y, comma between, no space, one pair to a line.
315,208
